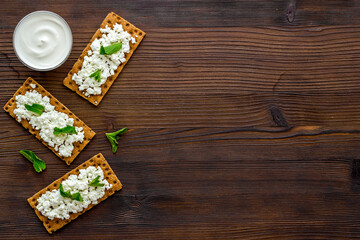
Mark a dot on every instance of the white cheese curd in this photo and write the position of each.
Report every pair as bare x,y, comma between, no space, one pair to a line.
52,205
62,143
107,64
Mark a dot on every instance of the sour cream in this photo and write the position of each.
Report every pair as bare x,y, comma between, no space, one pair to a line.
42,40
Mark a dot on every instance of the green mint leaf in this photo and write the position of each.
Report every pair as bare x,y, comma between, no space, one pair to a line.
75,196
96,182
113,137
111,49
38,164
67,129
96,75
63,193
35,108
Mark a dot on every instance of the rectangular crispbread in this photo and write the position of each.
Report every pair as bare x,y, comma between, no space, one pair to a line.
110,20
10,106
98,160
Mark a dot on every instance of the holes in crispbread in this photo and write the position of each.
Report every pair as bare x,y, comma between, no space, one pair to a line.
114,181
135,30
6,108
140,33
127,24
106,169
26,84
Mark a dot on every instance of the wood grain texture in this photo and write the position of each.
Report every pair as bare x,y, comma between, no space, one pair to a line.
310,74
243,115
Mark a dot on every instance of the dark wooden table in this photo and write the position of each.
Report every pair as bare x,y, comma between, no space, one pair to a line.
244,118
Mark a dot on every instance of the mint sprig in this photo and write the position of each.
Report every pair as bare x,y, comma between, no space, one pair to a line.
96,75
111,49
96,182
67,129
35,108
113,137
67,194
38,164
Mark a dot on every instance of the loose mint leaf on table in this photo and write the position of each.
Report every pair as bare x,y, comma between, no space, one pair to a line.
35,108
67,194
38,164
111,49
96,75
113,137
67,129
96,182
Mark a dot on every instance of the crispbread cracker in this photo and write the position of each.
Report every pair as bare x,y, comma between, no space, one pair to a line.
98,160
110,20
10,106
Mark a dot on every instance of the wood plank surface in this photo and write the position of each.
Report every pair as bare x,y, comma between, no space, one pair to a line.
244,122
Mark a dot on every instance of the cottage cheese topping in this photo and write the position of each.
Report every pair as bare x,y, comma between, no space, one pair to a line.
107,64
52,205
47,121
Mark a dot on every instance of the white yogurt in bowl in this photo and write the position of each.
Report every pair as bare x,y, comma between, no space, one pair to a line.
42,40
